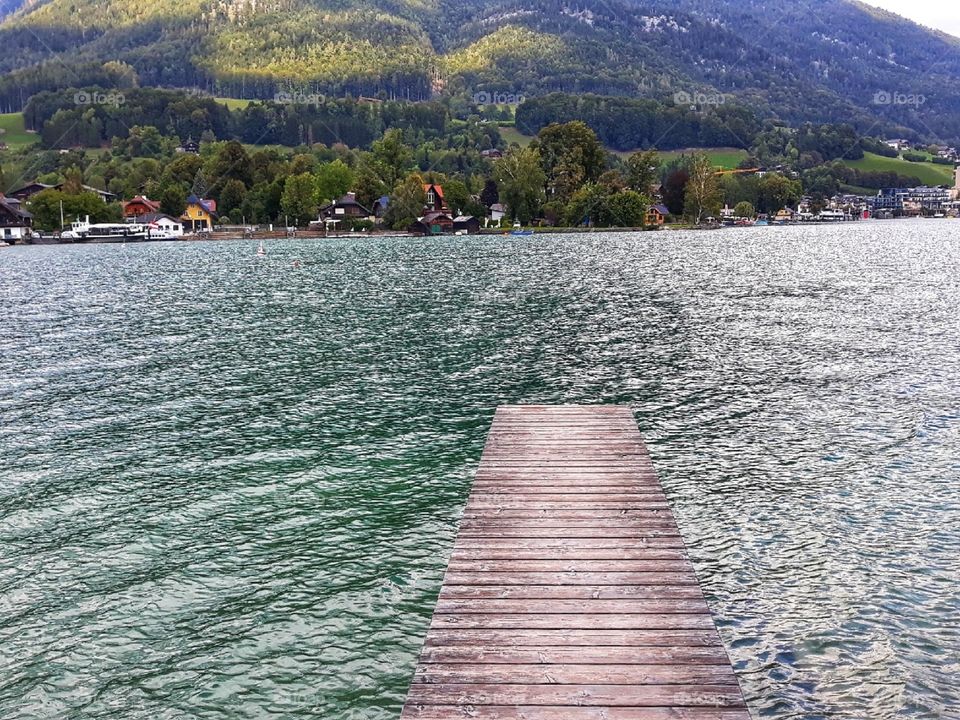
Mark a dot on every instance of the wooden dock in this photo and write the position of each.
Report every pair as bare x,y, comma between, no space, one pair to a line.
569,595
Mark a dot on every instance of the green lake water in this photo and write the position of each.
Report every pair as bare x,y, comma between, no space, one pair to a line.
229,486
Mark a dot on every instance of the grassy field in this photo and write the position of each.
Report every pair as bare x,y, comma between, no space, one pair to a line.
726,158
12,131
233,103
512,135
928,173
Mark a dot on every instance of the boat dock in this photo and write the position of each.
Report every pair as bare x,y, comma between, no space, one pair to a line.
569,594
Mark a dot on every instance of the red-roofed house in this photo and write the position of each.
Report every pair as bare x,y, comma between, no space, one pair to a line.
140,205
435,201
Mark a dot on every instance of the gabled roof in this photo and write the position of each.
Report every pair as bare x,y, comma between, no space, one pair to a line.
31,188
102,193
209,205
14,209
662,209
438,188
464,218
143,199
155,217
348,200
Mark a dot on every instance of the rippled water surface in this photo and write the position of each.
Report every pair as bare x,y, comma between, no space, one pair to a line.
229,486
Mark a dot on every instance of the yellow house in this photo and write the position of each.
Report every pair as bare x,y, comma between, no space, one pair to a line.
199,215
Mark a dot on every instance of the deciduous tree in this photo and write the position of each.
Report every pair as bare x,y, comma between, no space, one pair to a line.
521,178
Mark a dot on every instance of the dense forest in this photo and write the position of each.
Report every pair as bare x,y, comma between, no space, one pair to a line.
295,120
827,62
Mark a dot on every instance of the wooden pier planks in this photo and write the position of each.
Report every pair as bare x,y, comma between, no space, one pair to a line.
569,595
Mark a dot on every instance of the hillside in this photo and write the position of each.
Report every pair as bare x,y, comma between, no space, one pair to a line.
810,60
928,173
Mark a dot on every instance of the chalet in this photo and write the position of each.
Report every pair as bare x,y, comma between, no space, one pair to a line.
435,200
656,215
190,146
466,223
783,216
15,223
497,212
199,215
433,223
139,206
346,207
28,191
170,226
105,195
492,154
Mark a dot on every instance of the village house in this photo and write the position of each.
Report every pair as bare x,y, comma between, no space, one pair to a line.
899,143
432,223
170,226
23,194
497,212
656,215
435,200
346,208
491,154
199,215
15,222
26,192
785,215
466,223
190,146
139,206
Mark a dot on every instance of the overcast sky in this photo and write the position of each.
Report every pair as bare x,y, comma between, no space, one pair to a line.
940,14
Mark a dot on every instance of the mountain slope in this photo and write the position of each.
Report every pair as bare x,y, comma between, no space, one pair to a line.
817,60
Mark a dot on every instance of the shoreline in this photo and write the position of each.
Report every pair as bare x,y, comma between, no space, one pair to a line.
486,232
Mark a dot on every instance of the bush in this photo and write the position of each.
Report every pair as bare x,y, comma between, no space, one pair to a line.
914,157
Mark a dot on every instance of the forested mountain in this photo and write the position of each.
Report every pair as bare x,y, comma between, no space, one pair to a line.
797,60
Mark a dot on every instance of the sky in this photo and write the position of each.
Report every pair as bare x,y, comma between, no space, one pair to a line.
940,14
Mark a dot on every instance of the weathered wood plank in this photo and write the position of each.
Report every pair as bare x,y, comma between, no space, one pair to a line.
575,621
569,566
548,655
591,606
575,674
694,695
569,594
572,592
543,712
446,637
460,553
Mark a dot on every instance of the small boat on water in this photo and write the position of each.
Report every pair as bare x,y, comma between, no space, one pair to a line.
261,251
518,230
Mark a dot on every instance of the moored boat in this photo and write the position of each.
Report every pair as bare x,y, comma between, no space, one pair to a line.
84,231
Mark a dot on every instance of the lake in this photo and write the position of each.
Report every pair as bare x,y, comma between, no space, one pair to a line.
229,485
